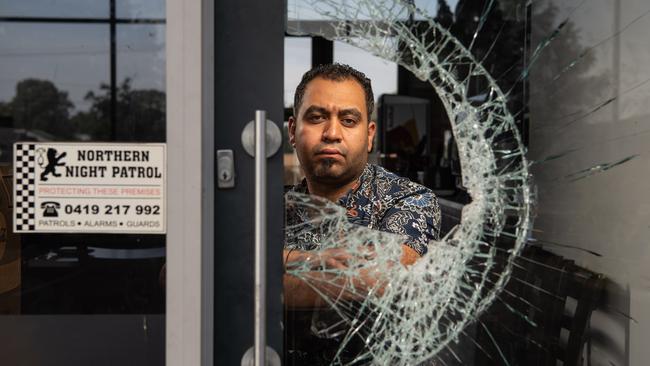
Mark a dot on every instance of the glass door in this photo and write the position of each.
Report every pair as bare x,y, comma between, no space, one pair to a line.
81,74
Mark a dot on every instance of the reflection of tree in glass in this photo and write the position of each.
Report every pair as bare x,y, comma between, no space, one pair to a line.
563,74
39,106
140,114
498,44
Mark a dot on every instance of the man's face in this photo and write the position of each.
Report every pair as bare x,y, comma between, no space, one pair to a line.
331,132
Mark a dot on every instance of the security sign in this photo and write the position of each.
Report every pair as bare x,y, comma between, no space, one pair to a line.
89,188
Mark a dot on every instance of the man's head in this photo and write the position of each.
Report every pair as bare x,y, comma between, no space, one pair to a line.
331,128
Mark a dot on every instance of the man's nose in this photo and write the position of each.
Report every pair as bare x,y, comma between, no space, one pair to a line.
332,131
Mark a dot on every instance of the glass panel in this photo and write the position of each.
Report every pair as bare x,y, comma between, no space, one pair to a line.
146,9
141,78
303,10
534,148
382,73
297,60
307,10
84,293
48,71
56,8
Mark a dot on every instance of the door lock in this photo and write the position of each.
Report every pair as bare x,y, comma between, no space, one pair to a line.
225,169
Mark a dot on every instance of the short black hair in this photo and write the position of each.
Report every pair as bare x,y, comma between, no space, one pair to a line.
335,72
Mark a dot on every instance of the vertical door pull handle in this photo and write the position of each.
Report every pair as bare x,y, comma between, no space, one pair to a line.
260,349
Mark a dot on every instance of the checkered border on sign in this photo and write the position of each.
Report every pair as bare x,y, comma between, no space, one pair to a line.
25,187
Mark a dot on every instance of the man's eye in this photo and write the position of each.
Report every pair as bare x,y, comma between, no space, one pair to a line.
349,121
316,118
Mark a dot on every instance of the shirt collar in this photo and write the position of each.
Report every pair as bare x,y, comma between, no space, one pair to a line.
363,178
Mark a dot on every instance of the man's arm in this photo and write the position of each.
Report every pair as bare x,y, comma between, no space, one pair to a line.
298,293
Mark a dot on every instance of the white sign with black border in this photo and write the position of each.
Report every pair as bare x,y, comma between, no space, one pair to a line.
89,188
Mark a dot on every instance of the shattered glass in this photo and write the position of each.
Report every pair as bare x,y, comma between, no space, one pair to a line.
411,314
497,289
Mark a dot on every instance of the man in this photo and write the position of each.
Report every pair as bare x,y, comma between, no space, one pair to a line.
332,133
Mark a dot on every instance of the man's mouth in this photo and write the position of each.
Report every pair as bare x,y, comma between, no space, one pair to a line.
329,152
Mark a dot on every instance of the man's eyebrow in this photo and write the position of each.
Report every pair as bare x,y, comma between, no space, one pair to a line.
316,109
350,111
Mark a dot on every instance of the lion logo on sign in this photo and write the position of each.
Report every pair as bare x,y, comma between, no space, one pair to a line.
52,163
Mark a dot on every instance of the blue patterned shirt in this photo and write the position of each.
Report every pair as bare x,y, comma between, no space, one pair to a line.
383,201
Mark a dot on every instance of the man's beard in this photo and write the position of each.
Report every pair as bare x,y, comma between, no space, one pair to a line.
325,169
332,172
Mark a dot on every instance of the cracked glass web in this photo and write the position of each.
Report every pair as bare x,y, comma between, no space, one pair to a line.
553,89
406,315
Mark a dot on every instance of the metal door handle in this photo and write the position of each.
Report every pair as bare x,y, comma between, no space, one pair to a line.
260,238
260,349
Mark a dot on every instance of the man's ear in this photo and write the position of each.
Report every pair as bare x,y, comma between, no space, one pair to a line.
372,129
292,131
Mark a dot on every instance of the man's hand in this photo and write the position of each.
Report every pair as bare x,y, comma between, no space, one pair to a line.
332,258
336,258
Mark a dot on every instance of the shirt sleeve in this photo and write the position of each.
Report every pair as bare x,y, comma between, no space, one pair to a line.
415,215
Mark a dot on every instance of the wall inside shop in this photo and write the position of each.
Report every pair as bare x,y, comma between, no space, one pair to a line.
589,138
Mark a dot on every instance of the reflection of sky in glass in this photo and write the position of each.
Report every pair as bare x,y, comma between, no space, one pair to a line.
75,57
303,10
55,8
297,60
83,8
141,55
431,7
140,9
382,73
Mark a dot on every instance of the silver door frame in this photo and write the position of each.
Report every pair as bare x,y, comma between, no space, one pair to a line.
190,149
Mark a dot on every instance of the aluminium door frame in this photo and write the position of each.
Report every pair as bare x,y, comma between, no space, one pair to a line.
190,149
